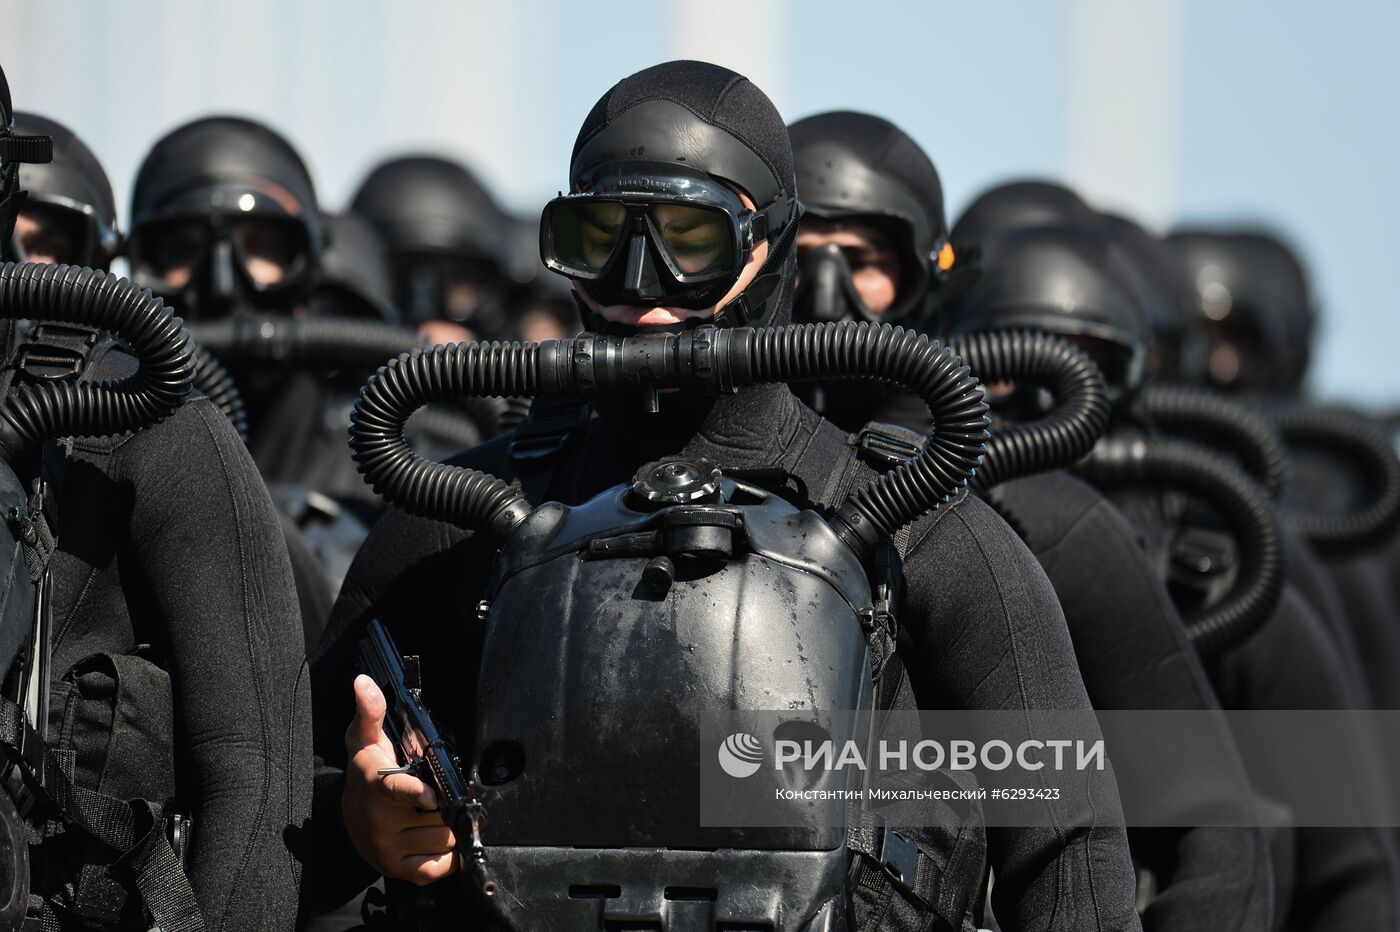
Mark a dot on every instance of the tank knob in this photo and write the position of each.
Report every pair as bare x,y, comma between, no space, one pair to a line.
675,482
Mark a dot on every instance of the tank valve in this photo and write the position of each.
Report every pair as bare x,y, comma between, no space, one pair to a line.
659,574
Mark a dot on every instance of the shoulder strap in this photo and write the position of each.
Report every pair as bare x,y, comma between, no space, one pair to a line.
540,441
938,875
870,452
49,352
880,447
34,523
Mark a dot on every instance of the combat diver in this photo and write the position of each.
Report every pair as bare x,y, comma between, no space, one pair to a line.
877,246
177,674
873,245
993,603
1251,312
450,247
1323,878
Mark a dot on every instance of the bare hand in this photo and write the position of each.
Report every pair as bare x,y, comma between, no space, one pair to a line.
392,820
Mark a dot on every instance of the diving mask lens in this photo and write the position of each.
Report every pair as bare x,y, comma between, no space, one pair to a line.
583,235
698,242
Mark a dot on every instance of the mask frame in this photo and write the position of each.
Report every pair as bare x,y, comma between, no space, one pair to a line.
826,289
100,243
641,268
219,265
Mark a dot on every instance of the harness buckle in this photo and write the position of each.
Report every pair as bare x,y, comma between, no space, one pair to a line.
899,856
55,353
882,449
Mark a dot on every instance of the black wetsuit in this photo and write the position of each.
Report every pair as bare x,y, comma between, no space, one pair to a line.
1365,578
1345,878
1341,876
1134,654
985,632
167,538
1317,582
1364,581
297,434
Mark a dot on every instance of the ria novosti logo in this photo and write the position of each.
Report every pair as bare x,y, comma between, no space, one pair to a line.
740,755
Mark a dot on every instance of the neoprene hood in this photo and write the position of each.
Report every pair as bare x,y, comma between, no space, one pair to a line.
696,116
859,166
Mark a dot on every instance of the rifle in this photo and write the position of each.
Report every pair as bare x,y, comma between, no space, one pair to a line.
422,750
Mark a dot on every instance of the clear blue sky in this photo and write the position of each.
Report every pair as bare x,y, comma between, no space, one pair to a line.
1171,109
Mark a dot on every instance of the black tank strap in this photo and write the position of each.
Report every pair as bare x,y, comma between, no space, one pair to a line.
35,522
48,352
894,852
878,448
869,453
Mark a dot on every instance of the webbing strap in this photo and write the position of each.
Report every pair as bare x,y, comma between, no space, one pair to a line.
895,853
868,454
32,522
940,867
135,828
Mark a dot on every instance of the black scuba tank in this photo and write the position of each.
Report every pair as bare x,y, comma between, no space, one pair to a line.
682,592
615,627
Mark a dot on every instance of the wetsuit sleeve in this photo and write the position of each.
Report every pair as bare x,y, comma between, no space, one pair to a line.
204,531
987,634
1133,653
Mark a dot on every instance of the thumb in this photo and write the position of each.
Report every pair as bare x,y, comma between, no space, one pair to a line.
367,727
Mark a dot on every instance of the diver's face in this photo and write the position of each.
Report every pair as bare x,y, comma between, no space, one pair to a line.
874,263
1237,360
653,315
49,235
266,247
1225,362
